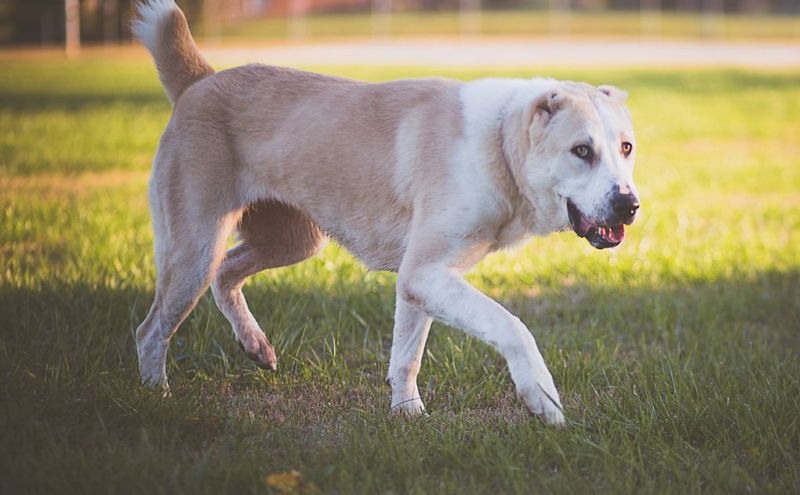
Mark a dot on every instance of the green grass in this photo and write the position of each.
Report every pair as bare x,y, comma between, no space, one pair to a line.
531,23
676,354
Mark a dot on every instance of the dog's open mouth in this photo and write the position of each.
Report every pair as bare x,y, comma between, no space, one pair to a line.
599,236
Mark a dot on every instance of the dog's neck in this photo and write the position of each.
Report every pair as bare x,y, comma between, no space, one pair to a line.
497,115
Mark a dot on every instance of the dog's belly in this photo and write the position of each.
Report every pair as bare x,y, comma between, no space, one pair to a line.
378,242
370,222
384,256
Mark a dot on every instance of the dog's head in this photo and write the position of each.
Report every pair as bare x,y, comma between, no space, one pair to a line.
582,150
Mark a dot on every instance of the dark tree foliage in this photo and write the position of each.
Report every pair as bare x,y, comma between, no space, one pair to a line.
42,21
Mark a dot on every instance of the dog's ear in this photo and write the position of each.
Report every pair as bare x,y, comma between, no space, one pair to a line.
613,92
546,106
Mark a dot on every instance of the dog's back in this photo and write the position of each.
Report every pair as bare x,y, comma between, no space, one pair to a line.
237,133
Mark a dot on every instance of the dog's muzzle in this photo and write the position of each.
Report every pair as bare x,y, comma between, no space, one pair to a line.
607,234
624,207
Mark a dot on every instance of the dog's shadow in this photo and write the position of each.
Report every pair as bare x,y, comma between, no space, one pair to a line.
92,327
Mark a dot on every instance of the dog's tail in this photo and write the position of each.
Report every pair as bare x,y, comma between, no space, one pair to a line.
163,29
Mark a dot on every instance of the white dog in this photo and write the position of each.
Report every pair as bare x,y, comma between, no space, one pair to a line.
423,177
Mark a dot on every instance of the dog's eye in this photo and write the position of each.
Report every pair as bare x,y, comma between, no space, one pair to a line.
583,152
627,148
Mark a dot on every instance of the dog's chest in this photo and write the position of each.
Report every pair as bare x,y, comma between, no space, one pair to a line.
380,248
512,232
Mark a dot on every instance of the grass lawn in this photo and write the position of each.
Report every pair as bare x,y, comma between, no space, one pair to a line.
676,354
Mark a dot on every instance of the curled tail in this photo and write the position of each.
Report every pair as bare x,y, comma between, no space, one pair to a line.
163,29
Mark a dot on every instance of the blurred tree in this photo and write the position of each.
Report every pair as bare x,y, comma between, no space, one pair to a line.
111,20
34,21
44,21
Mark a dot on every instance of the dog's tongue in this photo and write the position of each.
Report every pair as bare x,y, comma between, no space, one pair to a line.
599,236
605,236
613,234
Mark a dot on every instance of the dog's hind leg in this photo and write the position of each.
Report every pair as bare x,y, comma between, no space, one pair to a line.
241,262
185,270
190,236
273,235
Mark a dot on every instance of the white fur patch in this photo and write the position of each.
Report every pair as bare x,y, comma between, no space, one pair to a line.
485,104
151,14
485,101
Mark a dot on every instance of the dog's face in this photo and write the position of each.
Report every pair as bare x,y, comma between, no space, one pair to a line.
582,152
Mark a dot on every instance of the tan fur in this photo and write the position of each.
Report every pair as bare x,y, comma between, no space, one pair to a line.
424,177
179,61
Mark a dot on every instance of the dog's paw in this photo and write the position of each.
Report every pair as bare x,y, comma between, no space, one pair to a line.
409,407
156,381
543,401
258,348
152,371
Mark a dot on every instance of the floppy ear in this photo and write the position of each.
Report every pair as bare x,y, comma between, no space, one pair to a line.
546,106
613,92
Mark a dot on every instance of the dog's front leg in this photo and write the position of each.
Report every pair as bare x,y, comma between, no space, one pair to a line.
442,293
411,327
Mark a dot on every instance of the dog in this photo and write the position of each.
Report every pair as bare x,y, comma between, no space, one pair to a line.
424,177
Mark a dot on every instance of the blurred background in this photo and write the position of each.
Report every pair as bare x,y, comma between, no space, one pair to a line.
49,23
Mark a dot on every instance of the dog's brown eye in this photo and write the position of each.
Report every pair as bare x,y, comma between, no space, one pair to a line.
627,148
583,152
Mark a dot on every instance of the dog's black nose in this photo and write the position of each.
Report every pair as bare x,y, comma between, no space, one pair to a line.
625,206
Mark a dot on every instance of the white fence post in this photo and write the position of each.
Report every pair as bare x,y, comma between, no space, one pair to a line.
72,27
650,14
712,17
298,13
381,18
469,17
559,16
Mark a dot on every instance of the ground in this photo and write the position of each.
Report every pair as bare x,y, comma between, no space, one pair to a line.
676,354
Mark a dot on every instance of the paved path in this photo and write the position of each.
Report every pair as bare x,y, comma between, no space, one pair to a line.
488,52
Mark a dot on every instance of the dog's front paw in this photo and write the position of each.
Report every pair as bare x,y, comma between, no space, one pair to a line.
152,370
258,349
411,407
542,400
155,380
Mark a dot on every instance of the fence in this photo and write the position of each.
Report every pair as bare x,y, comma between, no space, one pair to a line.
49,22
